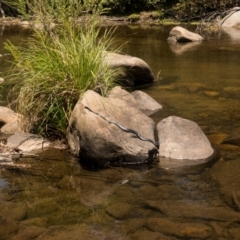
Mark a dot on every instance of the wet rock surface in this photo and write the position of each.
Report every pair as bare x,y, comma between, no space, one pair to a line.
115,203
120,210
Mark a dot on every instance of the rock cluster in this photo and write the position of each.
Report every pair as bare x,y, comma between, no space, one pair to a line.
117,129
114,129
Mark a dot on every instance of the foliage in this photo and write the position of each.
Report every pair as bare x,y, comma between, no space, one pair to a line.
181,9
157,14
57,65
192,9
130,6
133,17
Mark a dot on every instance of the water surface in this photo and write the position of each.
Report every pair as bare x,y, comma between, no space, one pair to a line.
51,196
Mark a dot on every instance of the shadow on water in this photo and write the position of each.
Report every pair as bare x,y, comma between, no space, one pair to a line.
55,196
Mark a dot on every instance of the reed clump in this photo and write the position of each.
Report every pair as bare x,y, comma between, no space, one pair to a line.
58,64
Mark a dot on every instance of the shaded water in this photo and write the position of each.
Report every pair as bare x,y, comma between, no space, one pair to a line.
52,197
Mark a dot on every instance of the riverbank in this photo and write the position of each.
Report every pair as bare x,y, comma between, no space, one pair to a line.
142,18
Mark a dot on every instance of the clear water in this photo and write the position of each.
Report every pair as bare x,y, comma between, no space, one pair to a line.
51,196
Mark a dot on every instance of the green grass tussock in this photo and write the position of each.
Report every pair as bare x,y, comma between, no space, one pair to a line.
55,67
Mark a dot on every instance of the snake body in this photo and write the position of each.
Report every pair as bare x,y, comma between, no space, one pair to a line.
125,129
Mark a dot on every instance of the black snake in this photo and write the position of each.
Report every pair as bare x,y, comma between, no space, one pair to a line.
125,129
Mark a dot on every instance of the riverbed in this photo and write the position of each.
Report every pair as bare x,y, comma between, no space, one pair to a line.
52,196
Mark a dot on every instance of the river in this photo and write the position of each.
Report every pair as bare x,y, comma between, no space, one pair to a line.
51,196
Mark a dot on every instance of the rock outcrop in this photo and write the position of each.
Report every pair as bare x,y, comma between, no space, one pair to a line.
99,131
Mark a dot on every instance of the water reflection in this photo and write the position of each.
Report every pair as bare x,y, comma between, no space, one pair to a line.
180,48
53,197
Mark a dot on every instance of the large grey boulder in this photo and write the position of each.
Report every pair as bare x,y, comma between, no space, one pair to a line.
232,19
131,70
9,121
182,139
180,34
93,135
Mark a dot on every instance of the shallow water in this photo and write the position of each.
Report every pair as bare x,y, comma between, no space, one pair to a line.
51,196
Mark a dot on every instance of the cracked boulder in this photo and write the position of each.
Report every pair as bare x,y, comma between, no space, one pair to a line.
105,130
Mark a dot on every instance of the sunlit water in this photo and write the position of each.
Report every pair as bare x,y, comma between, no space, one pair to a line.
52,196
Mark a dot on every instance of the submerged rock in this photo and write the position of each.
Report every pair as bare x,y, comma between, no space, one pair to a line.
180,34
75,232
120,210
235,140
14,211
226,174
7,227
182,209
30,232
143,234
100,131
182,139
177,229
132,70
